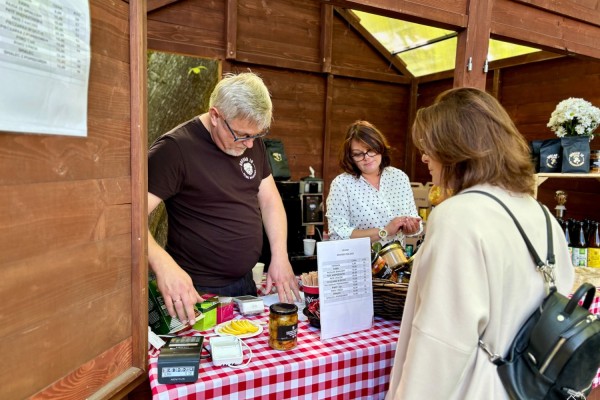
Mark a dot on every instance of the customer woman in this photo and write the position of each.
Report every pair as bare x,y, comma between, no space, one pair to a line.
473,276
371,198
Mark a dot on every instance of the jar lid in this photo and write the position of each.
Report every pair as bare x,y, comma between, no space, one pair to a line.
283,308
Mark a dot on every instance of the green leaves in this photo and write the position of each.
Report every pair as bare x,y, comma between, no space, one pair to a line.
196,70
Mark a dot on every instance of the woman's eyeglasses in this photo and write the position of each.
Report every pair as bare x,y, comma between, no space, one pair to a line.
237,138
359,156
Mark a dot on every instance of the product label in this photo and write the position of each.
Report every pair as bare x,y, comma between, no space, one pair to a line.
579,257
593,257
287,332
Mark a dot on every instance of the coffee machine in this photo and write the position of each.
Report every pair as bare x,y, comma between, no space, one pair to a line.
303,204
311,200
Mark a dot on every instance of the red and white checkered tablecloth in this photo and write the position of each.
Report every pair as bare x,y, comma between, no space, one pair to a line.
353,366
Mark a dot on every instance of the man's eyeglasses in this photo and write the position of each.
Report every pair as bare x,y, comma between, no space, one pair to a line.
361,156
237,138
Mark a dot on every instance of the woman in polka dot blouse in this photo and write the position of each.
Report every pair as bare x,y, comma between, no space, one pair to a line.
371,198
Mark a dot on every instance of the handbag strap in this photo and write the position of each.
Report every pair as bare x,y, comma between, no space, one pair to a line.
546,268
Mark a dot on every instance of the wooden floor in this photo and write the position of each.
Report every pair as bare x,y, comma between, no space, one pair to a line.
143,392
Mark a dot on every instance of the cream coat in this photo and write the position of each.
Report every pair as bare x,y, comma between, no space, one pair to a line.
472,276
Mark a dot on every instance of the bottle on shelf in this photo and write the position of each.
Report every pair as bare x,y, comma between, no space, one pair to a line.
593,255
566,224
579,257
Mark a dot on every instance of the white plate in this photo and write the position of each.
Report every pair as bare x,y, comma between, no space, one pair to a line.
244,336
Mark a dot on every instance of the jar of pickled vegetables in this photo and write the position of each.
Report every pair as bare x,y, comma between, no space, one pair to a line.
283,326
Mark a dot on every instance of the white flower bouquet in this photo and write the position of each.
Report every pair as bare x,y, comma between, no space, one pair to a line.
574,117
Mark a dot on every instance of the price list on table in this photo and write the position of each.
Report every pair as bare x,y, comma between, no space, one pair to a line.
345,279
345,286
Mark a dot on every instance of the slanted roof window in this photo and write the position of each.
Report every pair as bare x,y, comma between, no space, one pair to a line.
424,49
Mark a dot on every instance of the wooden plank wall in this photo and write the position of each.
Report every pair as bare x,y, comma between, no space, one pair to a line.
281,42
65,237
530,93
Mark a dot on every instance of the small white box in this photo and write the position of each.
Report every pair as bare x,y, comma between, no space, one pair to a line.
226,350
249,305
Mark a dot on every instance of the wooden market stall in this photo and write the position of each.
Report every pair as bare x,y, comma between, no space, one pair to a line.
73,242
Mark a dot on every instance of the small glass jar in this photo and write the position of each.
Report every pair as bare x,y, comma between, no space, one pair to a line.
283,326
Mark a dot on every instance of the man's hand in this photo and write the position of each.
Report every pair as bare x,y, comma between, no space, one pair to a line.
179,293
281,275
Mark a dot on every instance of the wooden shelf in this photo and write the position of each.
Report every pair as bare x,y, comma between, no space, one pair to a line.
542,177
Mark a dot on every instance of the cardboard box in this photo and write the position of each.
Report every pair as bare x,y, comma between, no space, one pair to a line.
421,194
159,319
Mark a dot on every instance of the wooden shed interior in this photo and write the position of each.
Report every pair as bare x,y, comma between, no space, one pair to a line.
74,234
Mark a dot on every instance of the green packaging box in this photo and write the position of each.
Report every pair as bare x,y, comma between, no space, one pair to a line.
159,319
209,315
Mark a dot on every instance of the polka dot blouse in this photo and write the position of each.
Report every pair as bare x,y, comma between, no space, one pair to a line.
355,204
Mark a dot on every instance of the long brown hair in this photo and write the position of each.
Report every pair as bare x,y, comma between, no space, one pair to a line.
370,136
472,136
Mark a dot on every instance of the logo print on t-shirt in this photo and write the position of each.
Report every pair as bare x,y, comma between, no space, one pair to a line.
248,169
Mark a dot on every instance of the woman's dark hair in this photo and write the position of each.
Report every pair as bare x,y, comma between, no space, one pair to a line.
372,138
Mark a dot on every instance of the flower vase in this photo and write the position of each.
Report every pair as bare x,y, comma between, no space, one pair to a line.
576,154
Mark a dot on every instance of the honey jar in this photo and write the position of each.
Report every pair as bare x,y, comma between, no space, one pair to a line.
283,326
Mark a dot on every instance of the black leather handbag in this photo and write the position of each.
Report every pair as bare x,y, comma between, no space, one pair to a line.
556,353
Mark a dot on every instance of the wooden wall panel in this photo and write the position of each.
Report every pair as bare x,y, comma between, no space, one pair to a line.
280,30
521,23
427,92
65,236
298,104
194,27
382,104
530,93
353,52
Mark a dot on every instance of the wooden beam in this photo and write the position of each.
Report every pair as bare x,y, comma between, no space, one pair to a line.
544,29
154,5
231,29
354,22
410,157
370,75
523,59
445,14
139,182
498,64
326,36
327,130
472,46
588,12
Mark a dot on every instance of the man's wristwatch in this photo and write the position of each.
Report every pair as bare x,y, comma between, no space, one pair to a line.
382,233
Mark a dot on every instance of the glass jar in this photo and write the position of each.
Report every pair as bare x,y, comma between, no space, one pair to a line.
283,326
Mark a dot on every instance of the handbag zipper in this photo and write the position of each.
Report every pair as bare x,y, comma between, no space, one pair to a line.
588,319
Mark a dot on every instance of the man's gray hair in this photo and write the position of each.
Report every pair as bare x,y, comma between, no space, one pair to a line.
243,96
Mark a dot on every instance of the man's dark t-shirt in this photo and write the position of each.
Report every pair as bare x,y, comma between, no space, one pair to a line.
215,224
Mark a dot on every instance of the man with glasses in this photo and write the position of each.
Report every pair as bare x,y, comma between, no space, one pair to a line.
213,175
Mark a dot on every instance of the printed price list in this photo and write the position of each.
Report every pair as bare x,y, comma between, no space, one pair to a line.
345,279
48,37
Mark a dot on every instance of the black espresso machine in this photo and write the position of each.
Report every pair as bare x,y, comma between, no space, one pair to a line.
303,203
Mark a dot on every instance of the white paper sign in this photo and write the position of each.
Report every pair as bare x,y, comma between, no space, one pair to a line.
345,286
44,66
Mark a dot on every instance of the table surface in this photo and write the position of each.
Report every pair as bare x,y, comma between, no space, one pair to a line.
353,366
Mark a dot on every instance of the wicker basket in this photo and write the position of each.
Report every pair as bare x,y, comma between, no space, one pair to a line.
389,298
